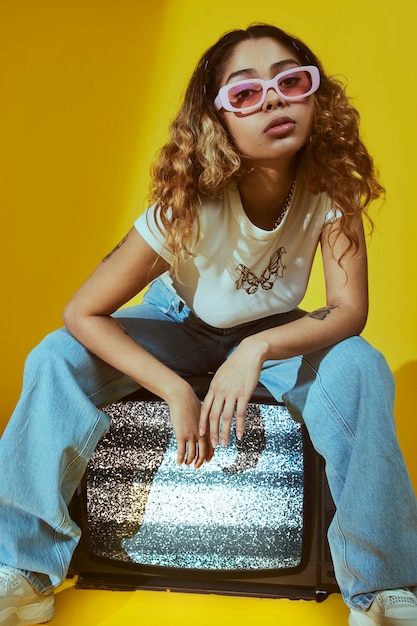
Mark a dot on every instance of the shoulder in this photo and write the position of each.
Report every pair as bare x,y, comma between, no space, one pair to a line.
311,207
315,201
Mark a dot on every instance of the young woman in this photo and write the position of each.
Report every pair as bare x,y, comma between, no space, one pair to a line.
264,163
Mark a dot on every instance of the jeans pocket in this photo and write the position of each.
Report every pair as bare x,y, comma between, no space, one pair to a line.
167,301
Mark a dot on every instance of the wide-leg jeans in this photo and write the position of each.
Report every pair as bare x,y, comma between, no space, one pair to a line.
344,395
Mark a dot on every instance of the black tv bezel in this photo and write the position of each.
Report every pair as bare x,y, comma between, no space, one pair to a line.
312,579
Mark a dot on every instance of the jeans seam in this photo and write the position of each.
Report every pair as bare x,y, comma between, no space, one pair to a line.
63,525
343,551
334,409
350,435
335,412
88,439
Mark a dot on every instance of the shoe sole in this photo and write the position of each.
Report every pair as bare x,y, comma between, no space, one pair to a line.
36,613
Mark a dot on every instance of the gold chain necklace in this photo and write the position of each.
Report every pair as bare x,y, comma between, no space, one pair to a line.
285,206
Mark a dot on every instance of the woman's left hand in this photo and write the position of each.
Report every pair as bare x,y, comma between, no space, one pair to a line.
230,390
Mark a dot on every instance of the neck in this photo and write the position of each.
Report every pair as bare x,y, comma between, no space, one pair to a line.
263,192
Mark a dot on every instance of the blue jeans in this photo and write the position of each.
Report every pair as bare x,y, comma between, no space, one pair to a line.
344,394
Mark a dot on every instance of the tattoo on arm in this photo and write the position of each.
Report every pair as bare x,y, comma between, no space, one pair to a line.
321,314
119,245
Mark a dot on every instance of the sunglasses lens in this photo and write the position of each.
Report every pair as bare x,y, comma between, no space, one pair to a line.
295,84
245,95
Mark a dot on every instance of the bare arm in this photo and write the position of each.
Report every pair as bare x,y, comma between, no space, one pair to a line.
344,315
121,275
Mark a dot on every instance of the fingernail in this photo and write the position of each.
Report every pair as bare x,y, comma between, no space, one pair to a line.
223,442
213,443
201,432
239,435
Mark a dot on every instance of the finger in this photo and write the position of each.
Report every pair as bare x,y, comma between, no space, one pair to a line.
214,420
227,416
201,452
211,410
210,451
205,451
204,414
191,452
210,455
241,409
181,451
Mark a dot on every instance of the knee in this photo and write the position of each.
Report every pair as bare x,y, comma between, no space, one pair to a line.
359,352
55,346
358,358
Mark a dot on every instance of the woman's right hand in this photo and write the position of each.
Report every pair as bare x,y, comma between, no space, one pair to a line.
185,408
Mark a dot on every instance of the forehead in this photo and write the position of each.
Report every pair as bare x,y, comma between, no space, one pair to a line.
257,57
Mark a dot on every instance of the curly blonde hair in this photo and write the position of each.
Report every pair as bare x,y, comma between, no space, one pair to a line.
201,158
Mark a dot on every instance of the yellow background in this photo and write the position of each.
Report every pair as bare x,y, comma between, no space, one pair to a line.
87,88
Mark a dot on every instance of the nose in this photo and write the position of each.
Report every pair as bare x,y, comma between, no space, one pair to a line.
272,100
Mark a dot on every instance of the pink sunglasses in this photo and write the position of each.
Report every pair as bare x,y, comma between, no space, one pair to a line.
248,95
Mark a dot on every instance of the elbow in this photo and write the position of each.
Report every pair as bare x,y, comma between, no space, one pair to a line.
359,319
72,318
352,317
67,317
360,326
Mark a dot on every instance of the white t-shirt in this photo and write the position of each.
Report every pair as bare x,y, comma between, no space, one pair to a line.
241,273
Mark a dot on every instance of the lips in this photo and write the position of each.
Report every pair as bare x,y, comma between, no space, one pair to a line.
280,125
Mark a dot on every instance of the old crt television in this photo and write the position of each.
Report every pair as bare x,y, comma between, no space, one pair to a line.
253,521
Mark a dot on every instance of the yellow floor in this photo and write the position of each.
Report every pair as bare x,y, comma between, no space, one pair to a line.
77,607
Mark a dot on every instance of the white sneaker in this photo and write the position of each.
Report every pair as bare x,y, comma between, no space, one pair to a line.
396,607
20,605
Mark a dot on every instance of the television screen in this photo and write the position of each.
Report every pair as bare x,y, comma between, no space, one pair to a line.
246,522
